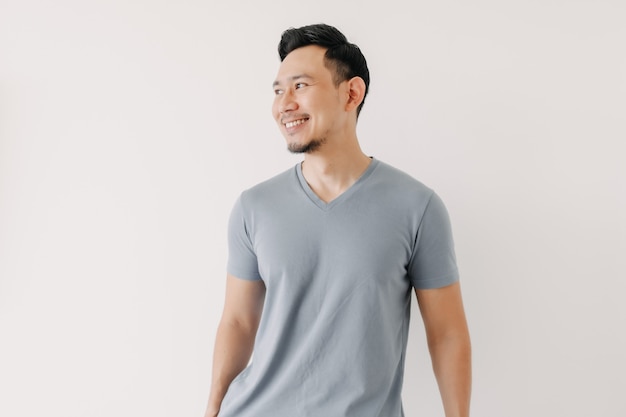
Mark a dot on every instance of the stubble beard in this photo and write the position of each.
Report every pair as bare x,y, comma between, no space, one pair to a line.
309,147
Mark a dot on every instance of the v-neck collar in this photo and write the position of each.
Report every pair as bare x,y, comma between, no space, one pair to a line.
341,197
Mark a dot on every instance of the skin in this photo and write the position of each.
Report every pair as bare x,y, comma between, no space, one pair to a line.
449,346
333,161
235,336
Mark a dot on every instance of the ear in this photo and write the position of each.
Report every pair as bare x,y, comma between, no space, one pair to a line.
356,93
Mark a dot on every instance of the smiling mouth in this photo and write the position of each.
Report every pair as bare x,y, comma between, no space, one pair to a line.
295,123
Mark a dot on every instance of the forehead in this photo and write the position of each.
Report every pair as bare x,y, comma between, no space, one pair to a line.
306,60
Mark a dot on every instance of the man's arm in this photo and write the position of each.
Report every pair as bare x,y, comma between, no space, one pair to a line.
235,336
449,346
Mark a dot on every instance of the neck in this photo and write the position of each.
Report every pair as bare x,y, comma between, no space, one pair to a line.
331,170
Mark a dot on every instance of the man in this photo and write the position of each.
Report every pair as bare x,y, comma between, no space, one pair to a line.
323,259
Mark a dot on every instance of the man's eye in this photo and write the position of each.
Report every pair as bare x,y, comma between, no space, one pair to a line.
278,92
300,85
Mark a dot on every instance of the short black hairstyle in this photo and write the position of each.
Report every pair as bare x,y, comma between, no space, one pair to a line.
343,57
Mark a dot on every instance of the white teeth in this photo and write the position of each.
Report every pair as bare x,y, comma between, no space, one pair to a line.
294,123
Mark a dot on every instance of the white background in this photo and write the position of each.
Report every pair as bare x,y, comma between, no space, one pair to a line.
128,128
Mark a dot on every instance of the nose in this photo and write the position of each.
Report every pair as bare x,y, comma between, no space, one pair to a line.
287,102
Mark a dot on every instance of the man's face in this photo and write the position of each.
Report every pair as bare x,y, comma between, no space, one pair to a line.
308,108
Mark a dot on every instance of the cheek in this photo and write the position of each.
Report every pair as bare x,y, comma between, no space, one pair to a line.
275,112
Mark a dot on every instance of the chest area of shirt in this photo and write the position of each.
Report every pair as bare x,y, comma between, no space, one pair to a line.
355,244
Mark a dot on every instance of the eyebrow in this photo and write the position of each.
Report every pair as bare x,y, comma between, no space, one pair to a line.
293,78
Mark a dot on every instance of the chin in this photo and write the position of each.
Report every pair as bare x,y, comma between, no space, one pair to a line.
309,147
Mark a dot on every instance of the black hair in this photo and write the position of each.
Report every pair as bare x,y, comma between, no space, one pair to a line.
344,57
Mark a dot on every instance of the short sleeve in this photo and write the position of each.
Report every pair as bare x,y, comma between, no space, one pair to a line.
242,260
433,262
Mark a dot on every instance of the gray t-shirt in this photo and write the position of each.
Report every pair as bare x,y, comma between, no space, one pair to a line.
338,276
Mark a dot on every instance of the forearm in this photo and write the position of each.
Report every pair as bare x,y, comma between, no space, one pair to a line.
233,349
451,358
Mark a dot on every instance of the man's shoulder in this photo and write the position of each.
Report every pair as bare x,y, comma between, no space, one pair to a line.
397,180
271,188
